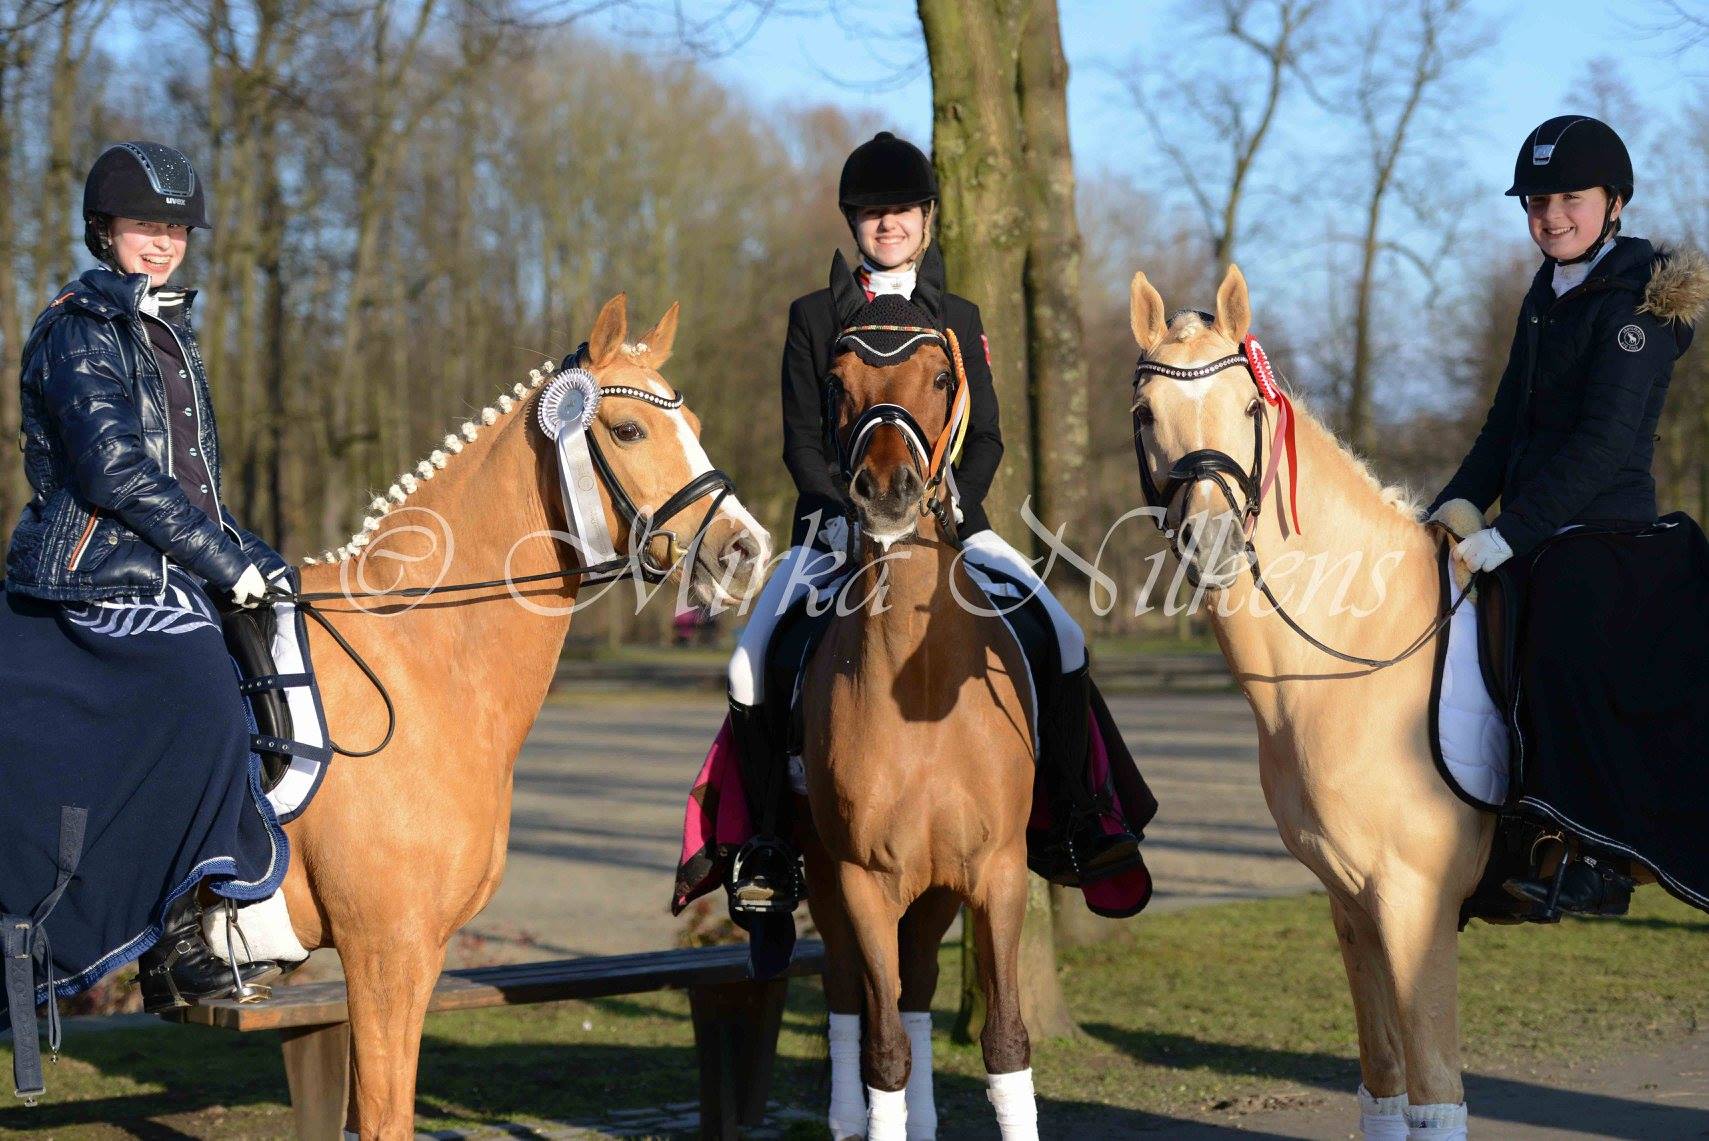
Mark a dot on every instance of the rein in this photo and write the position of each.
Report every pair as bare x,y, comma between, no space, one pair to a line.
638,562
1219,468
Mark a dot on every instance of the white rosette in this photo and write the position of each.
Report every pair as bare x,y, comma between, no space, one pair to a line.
567,409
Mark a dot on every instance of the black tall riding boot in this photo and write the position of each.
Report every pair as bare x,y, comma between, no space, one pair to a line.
1580,884
765,875
181,968
1084,851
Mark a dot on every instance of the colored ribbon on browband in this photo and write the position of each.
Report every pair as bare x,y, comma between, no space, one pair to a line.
1264,376
566,412
948,446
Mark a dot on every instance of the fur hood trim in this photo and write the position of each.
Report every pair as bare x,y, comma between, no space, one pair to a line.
1678,289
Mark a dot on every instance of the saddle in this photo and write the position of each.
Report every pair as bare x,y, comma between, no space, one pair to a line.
270,647
799,632
249,635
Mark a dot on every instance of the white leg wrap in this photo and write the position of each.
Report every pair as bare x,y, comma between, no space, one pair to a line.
1382,1118
848,1101
265,929
1440,1122
1011,1095
922,1110
886,1114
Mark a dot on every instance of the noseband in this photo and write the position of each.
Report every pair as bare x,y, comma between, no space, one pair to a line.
933,460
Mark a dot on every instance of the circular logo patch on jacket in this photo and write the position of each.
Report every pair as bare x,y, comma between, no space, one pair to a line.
1631,338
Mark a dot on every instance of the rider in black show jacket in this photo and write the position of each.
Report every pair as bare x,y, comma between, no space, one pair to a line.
888,184
811,456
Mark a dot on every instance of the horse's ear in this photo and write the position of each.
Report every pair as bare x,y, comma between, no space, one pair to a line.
608,331
1233,306
847,297
1145,313
659,338
929,284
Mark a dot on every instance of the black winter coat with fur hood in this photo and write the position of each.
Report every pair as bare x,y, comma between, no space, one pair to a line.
1571,433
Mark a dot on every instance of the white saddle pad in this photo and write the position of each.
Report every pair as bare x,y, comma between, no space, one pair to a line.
1471,735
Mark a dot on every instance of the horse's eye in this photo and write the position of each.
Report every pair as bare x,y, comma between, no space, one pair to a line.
1142,415
628,432
1252,408
942,382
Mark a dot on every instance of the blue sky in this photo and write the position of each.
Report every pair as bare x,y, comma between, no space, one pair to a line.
1532,54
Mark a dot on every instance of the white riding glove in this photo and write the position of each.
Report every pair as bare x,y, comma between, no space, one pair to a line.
1484,550
251,588
835,533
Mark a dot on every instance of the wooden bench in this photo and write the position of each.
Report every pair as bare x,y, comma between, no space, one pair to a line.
736,1022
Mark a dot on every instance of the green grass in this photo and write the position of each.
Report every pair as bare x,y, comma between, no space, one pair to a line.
1188,1011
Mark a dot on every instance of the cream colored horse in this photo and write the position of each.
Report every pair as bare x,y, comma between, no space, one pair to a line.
399,850
1343,752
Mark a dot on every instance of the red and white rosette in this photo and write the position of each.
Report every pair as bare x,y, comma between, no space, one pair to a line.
1264,376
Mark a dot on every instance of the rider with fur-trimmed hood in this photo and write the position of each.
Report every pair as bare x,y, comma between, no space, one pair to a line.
888,193
1570,437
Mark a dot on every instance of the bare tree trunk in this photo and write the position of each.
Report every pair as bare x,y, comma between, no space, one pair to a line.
976,142
53,261
1056,361
14,54
1388,145
979,149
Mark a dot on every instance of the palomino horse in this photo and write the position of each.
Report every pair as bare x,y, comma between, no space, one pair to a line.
919,761
401,849
1343,754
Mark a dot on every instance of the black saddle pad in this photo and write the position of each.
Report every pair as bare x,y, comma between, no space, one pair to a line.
1609,708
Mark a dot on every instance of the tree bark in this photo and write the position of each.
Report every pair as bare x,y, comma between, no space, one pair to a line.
1056,360
974,50
14,54
992,191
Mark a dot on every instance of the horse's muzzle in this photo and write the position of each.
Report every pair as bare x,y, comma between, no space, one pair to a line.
731,561
887,505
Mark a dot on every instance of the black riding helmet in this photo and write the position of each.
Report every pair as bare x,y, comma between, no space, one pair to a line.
886,171
1574,152
150,182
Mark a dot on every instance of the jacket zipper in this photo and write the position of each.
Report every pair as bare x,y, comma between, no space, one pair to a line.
83,540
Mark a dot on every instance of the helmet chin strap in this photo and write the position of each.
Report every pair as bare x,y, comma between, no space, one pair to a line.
1601,239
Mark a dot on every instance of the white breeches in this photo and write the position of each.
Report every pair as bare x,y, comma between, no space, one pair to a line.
802,569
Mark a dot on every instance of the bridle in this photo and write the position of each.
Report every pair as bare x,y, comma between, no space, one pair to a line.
933,460
644,525
1221,469
638,561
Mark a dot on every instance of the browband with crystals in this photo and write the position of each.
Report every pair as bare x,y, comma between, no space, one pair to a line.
672,401
1197,372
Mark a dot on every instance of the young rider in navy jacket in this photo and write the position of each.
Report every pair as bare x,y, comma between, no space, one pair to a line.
1571,434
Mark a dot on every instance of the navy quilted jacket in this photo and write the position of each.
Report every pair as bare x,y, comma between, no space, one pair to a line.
107,511
1571,433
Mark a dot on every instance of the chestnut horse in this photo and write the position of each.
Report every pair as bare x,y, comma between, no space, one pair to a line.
399,850
919,763
1343,753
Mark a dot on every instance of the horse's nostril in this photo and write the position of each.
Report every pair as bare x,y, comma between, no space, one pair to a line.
864,486
907,484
